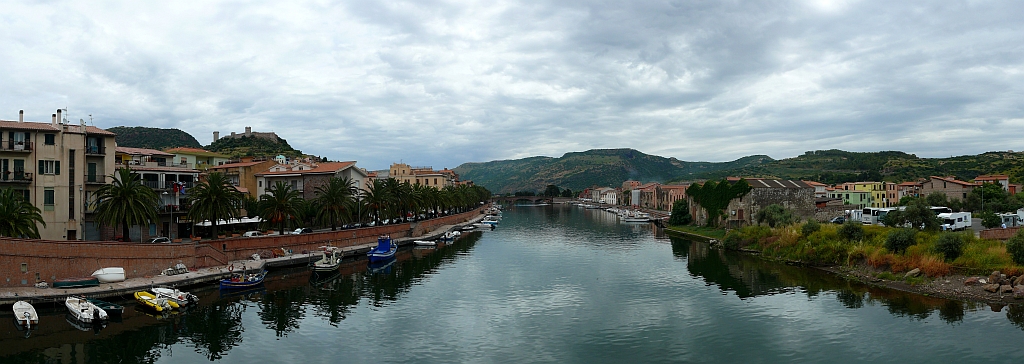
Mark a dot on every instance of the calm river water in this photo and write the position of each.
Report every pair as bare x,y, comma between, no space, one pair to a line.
550,284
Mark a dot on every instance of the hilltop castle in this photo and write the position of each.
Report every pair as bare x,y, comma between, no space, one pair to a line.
272,136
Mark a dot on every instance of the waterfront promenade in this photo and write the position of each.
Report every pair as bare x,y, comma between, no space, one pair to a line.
215,272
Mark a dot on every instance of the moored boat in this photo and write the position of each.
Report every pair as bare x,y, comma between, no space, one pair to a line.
329,260
181,298
152,302
25,314
385,249
109,274
82,310
425,242
112,309
76,282
243,280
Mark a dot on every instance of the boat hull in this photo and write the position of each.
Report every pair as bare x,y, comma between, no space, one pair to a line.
25,314
231,283
84,311
109,275
76,282
110,308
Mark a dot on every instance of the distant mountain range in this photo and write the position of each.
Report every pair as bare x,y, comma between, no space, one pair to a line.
610,167
598,167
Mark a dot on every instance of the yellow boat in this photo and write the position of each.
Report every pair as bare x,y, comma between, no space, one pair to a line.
150,301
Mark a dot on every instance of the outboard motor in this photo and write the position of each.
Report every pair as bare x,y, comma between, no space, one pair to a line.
95,315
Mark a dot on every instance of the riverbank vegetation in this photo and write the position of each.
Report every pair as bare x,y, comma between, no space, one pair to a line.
895,250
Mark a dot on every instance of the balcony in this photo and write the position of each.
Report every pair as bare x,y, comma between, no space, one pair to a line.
151,184
170,184
16,146
95,150
16,177
95,179
172,208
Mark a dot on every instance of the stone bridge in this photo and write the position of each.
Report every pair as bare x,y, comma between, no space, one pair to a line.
512,200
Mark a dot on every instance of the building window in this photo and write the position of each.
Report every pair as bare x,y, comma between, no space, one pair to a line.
48,199
50,139
261,183
294,184
49,167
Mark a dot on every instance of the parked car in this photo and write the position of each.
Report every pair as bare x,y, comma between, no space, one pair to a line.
302,231
249,234
159,239
838,220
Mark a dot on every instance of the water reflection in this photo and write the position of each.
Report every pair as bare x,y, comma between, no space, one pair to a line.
214,327
749,276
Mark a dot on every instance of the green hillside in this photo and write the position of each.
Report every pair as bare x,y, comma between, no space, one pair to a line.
153,138
598,167
252,146
610,167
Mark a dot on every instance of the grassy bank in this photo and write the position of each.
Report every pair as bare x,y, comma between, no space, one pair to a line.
835,245
717,233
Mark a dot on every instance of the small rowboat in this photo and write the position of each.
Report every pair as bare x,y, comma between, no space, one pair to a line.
330,261
25,314
385,250
112,309
109,275
76,282
152,302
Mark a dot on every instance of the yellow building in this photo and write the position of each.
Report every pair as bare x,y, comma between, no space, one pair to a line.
426,176
878,193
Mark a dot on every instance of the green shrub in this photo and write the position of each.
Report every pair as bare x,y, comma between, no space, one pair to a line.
852,231
899,240
950,245
810,227
732,241
775,215
1015,246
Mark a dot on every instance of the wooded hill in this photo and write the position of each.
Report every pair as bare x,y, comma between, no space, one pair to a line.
598,167
252,146
610,167
153,138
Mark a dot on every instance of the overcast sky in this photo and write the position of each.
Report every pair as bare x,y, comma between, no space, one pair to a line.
440,83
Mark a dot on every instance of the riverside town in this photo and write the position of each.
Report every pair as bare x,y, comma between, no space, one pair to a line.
823,181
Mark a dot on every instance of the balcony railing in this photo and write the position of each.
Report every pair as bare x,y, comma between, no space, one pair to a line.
95,150
16,176
17,146
173,208
94,178
151,184
170,184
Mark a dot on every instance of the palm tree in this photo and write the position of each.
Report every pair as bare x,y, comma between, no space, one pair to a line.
375,198
127,201
213,199
18,217
280,204
336,200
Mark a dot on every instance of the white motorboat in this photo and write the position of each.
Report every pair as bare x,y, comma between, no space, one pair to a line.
636,216
330,260
174,295
25,314
109,275
83,310
425,242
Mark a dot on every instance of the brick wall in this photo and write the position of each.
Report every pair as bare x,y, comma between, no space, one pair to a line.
999,234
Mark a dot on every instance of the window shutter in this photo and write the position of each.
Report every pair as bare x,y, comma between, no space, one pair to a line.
56,167
42,166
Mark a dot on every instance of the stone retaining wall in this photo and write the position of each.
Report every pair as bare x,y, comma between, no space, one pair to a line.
999,234
23,262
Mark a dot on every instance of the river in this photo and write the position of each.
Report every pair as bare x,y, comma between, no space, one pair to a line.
549,284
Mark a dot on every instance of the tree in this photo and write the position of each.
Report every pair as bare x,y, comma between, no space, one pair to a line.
989,219
213,199
18,217
852,231
1015,246
376,200
567,193
951,245
280,205
775,215
937,199
900,239
680,213
126,201
714,197
336,200
916,215
552,191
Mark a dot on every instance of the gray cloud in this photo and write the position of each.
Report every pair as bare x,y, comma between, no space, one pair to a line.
445,82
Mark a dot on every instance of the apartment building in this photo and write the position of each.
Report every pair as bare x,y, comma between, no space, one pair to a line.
426,176
307,177
57,166
171,179
242,174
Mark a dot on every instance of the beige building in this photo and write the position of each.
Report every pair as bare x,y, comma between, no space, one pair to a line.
57,166
307,177
170,179
426,176
197,158
951,187
243,174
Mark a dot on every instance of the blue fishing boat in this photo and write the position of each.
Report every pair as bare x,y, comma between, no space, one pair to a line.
385,249
243,280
